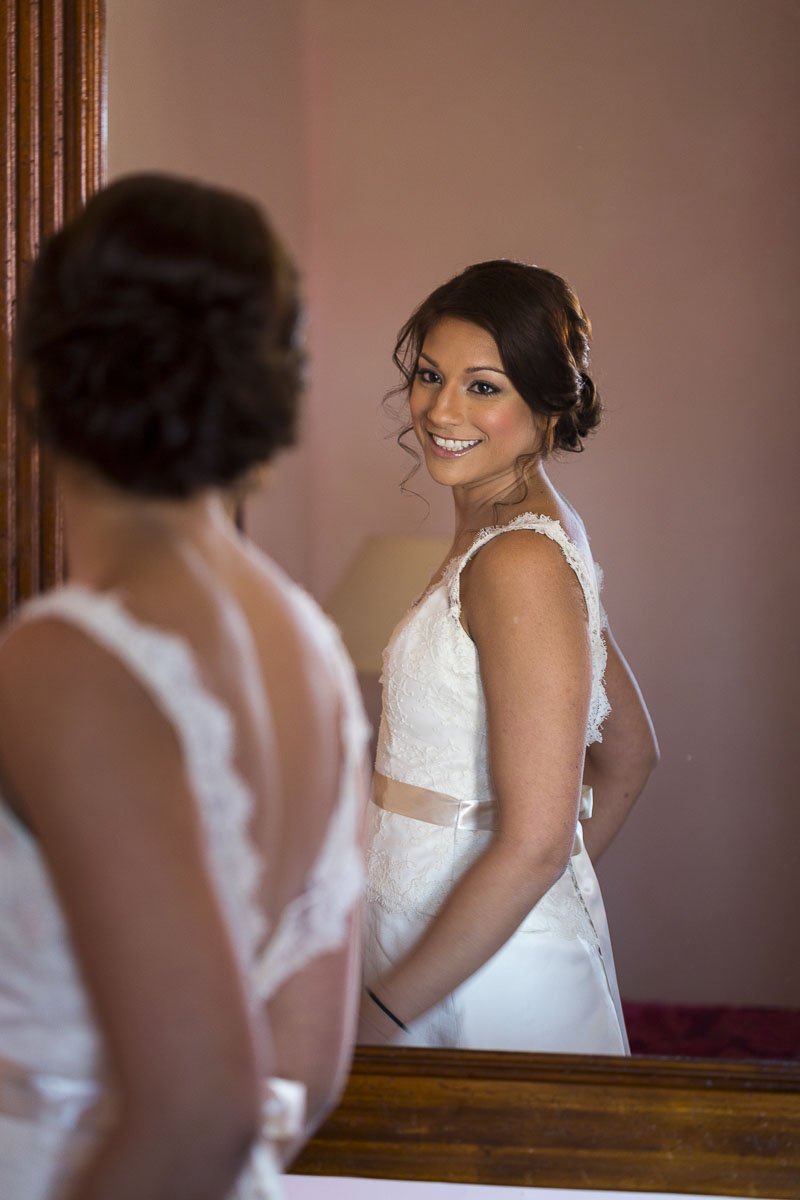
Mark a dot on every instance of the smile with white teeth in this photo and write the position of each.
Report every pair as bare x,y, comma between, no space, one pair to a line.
453,443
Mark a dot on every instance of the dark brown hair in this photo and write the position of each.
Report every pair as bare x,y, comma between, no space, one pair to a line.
158,335
541,331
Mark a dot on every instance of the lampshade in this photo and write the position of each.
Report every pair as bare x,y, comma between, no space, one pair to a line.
385,577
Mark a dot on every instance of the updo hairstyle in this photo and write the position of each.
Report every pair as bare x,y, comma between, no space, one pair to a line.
541,331
158,337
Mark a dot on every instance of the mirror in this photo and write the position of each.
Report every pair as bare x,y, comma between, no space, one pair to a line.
53,97
671,210
642,151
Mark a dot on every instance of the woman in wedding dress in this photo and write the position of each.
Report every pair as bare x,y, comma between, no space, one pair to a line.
181,744
510,717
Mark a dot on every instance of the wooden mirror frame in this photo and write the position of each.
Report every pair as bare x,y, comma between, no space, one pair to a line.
560,1120
516,1119
53,154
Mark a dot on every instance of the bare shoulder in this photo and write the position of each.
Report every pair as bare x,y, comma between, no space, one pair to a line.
34,655
518,570
71,712
524,609
49,660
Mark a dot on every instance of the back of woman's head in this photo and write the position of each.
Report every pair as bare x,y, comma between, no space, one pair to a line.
541,331
158,333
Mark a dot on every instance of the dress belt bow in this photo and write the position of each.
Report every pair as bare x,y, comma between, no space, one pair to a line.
283,1108
73,1104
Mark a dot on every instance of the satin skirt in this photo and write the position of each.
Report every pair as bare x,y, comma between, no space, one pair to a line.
543,991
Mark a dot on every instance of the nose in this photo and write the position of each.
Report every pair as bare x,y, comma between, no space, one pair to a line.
447,407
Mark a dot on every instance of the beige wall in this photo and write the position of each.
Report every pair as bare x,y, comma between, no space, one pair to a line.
214,89
644,151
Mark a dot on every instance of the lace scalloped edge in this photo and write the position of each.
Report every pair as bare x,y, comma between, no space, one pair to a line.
553,529
203,725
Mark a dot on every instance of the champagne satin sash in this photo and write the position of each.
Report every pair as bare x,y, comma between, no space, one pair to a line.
437,808
83,1105
56,1100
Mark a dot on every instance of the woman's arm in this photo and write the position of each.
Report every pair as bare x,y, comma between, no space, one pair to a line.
618,767
97,773
527,617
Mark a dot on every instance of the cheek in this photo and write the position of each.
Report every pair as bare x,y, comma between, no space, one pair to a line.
511,425
416,405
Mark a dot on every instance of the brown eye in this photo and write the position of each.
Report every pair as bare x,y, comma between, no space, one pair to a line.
483,388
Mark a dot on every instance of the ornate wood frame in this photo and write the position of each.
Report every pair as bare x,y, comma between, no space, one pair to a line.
561,1120
547,1120
53,155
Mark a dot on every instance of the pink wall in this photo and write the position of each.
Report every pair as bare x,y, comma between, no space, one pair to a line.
216,90
644,151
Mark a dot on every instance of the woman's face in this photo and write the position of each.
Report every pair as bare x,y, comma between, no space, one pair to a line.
471,422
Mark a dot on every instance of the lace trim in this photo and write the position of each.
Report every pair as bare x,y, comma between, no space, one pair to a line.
413,866
599,707
600,579
315,922
164,664
413,872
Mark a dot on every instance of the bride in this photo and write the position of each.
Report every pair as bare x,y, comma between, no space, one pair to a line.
509,716
180,736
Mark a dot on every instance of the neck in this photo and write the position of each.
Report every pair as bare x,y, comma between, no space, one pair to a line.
499,500
110,532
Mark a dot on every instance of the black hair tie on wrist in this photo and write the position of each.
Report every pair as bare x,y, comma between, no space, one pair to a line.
388,1011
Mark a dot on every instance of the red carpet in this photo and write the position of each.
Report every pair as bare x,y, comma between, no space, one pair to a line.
712,1030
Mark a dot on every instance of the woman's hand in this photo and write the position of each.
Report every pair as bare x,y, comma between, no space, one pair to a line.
375,1027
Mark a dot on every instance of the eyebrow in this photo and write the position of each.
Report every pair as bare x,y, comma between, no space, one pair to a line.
469,370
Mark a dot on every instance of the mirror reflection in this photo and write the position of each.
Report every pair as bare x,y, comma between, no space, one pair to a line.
642,153
484,927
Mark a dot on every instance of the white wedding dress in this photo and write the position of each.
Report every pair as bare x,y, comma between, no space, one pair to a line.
552,986
55,1094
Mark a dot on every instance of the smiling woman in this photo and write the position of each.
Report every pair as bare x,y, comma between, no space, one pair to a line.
485,927
472,413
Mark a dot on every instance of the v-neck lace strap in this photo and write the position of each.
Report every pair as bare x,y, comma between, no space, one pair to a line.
164,664
586,573
316,921
48,1028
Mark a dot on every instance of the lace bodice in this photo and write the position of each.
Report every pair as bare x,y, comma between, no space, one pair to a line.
552,985
433,735
46,1022
433,725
